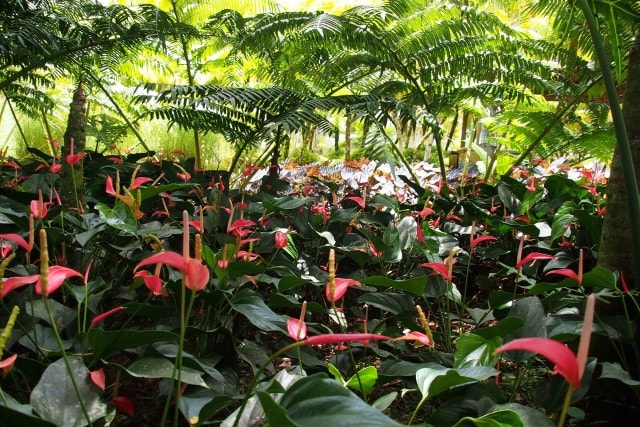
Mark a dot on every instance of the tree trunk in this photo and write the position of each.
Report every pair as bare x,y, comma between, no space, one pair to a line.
347,138
615,244
75,138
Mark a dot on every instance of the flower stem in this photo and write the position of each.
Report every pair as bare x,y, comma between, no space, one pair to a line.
565,405
256,377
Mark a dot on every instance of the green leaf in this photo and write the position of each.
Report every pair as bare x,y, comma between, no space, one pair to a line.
203,404
159,367
12,417
382,403
120,217
415,286
104,343
364,380
251,305
275,413
45,339
390,302
336,373
433,381
287,203
474,350
501,418
62,314
615,371
319,401
528,416
501,329
563,217
599,277
54,397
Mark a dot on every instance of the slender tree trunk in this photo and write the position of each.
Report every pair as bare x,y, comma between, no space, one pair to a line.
75,138
615,244
347,138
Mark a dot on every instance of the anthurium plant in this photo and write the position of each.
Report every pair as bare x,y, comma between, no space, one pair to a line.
175,296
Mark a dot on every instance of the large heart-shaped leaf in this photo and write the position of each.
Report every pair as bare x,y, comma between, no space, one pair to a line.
54,398
159,367
319,401
251,305
433,381
104,343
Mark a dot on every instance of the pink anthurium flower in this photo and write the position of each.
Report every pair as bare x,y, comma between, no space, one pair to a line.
415,336
7,364
359,200
440,268
340,338
57,276
195,273
138,181
341,286
567,272
534,256
570,366
100,317
281,239
98,378
484,238
123,404
38,207
297,329
151,281
18,240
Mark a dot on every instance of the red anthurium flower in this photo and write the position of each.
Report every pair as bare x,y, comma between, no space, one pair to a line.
186,176
340,338
16,239
425,212
623,283
100,317
297,329
57,276
415,336
109,187
440,268
341,287
7,364
281,240
566,272
151,281
570,366
98,378
247,256
534,256
480,239
196,224
73,159
453,217
237,226
55,167
124,405
39,208
223,263
564,359
140,181
359,200
196,274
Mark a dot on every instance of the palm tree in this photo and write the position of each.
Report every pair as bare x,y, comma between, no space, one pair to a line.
621,226
419,61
